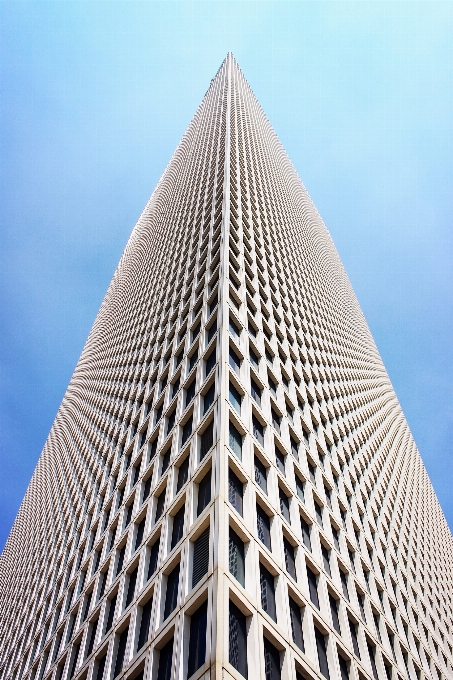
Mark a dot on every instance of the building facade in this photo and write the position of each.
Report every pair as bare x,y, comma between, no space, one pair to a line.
230,488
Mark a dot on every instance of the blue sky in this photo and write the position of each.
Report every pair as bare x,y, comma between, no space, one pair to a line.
95,97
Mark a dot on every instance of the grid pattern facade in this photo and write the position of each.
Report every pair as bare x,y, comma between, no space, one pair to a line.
230,488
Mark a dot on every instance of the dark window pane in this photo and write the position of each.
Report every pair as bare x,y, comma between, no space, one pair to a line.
145,623
87,606
355,641
235,398
305,528
186,430
111,614
313,587
254,360
204,493
158,414
318,512
210,362
260,474
300,488
326,558
135,474
235,441
322,653
197,642
280,460
208,398
294,448
271,661
75,657
200,557
153,449
92,638
361,601
153,558
178,527
258,430
237,640
344,672
121,652
336,537
234,330
131,587
193,360
102,584
140,533
183,474
160,504
235,491
165,461
120,562
171,596
146,489
237,558
275,420
235,362
171,421
175,386
372,654
101,667
255,391
344,584
290,560
284,505
207,440
165,661
190,392
213,327
296,624
263,527
196,331
334,613
267,587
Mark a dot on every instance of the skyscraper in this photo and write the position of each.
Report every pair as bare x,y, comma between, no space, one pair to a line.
230,488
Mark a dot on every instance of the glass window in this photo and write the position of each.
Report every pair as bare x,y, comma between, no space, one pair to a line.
165,661
204,493
321,648
236,557
197,639
178,527
258,430
263,527
145,623
235,491
235,398
171,595
284,505
290,559
200,557
271,661
305,528
206,440
238,640
260,474
235,441
296,624
313,587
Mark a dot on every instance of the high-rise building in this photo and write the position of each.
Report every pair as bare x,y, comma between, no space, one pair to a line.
230,488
